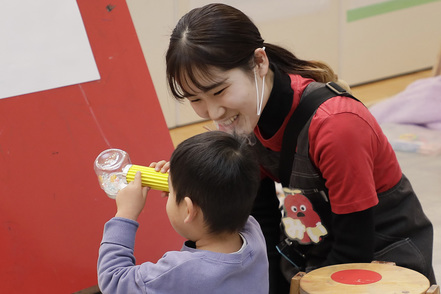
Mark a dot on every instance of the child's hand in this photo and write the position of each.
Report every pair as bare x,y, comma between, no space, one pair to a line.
130,201
163,167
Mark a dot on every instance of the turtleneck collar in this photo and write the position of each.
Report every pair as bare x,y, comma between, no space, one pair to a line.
278,105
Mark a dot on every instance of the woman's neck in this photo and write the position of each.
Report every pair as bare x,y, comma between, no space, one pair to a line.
278,104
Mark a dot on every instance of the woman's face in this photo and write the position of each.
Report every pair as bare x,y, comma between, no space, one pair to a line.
230,101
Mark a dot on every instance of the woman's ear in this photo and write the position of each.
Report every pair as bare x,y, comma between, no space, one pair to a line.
192,210
261,61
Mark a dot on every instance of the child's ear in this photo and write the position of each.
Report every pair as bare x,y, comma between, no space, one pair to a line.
192,210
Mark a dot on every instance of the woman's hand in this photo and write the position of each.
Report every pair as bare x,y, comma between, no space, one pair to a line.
130,201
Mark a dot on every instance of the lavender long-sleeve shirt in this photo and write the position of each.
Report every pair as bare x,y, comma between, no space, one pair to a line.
187,271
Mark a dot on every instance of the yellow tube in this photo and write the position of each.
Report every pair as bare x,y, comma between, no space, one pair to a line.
149,177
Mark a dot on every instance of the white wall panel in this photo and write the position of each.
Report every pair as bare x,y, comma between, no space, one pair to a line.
377,46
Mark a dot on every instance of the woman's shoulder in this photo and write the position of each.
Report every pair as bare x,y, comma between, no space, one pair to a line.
343,105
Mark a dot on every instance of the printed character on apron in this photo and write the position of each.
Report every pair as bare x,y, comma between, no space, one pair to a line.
301,223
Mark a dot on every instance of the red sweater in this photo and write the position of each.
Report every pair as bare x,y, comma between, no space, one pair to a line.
348,147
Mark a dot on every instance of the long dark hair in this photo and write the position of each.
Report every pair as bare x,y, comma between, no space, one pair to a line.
223,37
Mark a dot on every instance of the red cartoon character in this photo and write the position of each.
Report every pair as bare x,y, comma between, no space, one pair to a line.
301,222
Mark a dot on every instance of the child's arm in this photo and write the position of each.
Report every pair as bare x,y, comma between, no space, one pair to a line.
117,272
116,263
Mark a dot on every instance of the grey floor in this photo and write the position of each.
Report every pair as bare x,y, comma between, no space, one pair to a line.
424,172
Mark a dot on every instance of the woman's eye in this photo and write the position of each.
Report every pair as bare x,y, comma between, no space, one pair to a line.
193,100
218,92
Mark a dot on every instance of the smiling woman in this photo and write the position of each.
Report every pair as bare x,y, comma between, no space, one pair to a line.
344,162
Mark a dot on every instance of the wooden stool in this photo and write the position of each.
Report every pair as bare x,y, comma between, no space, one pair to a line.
375,277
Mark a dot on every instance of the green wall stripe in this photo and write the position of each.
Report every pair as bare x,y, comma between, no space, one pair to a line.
381,8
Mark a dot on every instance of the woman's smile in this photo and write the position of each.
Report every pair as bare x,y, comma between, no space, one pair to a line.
226,123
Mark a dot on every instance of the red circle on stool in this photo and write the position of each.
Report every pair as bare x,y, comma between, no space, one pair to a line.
356,277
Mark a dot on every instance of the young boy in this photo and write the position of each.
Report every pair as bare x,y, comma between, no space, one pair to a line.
213,179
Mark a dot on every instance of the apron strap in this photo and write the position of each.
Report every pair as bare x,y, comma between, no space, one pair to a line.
306,108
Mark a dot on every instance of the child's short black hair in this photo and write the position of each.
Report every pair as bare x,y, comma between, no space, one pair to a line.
220,174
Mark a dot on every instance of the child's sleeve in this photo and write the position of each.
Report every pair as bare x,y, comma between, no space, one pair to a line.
117,272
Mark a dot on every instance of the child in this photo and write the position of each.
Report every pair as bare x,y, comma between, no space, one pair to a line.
213,179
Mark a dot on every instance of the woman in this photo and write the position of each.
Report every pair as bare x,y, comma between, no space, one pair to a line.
362,205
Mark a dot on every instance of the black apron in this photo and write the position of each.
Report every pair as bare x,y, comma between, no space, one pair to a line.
403,233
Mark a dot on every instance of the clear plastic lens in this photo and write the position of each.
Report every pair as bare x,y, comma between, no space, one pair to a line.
112,183
109,167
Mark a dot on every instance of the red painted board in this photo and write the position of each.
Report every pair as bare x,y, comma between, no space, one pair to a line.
52,210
